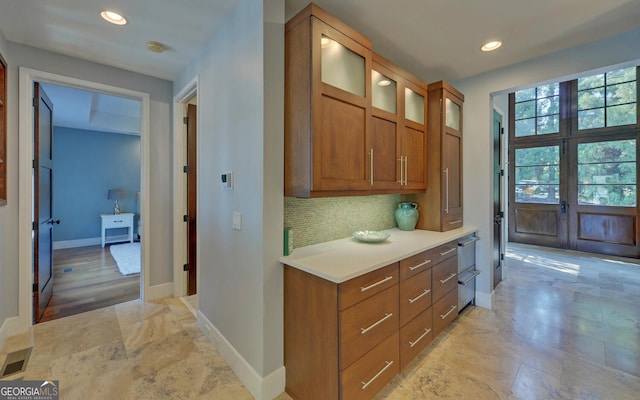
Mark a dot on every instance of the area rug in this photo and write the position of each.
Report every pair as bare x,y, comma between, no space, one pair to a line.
127,257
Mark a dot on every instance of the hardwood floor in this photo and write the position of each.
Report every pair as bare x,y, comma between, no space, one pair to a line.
87,278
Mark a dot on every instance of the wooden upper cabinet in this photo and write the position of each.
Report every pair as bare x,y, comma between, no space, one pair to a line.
347,129
398,128
327,106
442,200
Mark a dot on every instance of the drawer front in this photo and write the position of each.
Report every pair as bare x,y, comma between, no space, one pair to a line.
366,324
445,310
372,372
415,296
362,287
116,222
451,221
417,263
446,251
444,277
415,336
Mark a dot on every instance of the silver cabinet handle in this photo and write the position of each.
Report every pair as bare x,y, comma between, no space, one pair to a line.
472,277
401,159
446,191
365,384
448,312
426,292
406,170
381,320
380,282
455,222
448,278
422,264
448,251
468,242
371,166
426,332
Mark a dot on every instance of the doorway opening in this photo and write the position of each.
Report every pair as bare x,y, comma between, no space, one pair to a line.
89,257
27,160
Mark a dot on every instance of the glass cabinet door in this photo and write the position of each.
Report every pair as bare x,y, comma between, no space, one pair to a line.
383,92
341,67
413,106
452,114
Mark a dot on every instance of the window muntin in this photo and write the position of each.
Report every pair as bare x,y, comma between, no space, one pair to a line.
607,173
537,175
537,110
607,99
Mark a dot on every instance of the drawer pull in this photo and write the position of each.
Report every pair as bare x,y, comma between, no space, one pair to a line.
468,242
448,251
364,289
449,278
422,264
426,332
118,221
448,312
455,222
365,330
365,384
472,277
426,292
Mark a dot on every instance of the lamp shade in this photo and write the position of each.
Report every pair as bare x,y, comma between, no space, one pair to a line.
115,194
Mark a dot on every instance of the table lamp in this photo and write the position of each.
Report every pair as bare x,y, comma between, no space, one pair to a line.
116,194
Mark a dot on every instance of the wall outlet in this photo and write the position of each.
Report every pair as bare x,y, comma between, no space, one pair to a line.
237,220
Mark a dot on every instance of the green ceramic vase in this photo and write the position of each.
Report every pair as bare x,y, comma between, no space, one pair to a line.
406,215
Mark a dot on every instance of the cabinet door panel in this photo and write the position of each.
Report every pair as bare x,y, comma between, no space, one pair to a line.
414,148
384,145
451,153
340,153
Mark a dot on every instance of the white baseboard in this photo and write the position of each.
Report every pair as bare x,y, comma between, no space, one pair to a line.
159,291
10,326
68,244
261,388
485,300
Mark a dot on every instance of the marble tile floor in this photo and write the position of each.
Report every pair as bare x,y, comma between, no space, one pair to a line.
565,326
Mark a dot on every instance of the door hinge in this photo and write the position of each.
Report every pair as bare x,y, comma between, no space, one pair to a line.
185,169
34,163
502,172
33,225
185,218
185,267
502,131
34,287
502,256
35,102
185,120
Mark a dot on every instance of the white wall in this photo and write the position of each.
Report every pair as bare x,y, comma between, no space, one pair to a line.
160,93
9,213
240,106
478,154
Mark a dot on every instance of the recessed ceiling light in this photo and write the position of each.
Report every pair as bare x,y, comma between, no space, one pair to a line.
384,82
113,17
490,46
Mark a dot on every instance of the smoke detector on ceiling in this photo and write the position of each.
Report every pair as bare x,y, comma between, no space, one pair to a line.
156,47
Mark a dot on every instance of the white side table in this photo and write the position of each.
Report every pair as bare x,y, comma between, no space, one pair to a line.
112,221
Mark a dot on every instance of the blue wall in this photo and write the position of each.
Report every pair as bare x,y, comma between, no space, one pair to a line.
86,164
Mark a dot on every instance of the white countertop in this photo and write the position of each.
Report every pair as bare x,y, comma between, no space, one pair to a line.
344,259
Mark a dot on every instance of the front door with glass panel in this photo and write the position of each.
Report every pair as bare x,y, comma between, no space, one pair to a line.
573,164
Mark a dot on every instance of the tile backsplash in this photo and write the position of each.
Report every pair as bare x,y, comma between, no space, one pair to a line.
330,218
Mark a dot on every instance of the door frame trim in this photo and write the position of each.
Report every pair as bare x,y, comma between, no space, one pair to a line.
179,189
26,77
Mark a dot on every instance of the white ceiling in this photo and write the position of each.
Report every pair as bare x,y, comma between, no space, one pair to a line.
433,39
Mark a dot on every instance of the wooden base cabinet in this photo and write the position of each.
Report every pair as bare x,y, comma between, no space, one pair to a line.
441,205
347,341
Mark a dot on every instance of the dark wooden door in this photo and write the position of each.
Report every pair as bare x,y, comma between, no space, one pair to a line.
497,198
43,204
191,197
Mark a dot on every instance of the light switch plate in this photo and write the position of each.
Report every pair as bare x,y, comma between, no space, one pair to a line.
237,220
